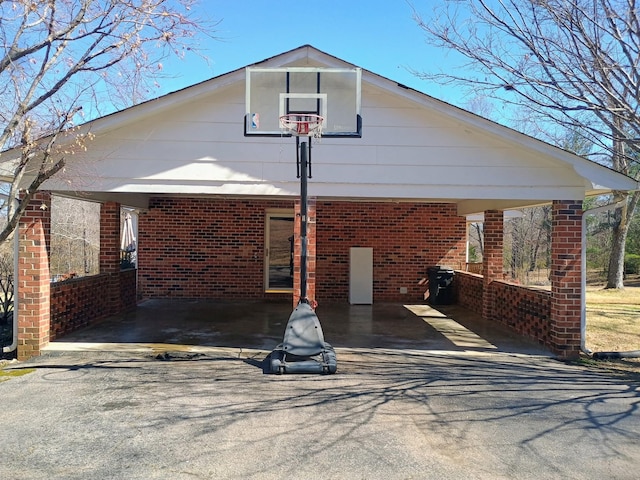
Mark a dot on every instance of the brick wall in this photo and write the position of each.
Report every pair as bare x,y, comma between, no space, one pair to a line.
128,280
525,310
79,302
406,238
45,310
468,290
214,248
203,248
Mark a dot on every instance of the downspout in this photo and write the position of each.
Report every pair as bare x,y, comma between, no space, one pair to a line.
583,293
16,252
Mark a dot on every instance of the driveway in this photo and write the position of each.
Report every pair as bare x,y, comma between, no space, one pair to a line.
391,412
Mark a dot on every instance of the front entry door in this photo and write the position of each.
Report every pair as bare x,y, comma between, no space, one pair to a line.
279,252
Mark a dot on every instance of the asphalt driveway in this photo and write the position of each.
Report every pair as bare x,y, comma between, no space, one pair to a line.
388,414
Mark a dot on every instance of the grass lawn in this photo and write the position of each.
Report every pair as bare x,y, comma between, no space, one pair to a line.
613,324
613,319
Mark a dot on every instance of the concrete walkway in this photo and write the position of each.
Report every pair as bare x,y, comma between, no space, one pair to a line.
405,411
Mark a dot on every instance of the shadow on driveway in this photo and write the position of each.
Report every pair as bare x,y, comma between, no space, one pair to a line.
388,413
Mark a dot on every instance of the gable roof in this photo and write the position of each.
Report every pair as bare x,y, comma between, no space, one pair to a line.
413,147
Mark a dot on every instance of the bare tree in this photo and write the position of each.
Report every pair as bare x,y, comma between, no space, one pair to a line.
476,236
573,63
63,61
527,242
75,237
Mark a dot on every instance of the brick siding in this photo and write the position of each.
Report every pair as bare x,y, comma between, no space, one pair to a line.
214,248
406,238
203,248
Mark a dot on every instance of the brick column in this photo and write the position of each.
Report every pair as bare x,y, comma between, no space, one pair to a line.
109,237
34,278
492,263
566,276
311,251
110,252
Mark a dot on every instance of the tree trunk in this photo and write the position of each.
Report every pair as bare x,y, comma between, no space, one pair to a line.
615,274
479,232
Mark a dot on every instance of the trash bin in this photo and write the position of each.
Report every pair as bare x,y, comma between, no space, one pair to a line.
440,285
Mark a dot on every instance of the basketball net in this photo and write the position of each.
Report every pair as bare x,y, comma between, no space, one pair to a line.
302,125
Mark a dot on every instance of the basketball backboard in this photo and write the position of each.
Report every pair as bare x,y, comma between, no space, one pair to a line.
332,93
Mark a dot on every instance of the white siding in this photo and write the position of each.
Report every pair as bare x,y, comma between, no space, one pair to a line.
407,151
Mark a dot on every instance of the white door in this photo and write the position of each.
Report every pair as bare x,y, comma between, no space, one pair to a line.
361,276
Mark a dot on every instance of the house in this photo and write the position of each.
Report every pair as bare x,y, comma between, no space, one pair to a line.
216,206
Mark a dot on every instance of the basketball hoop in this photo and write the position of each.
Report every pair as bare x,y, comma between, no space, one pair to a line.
302,125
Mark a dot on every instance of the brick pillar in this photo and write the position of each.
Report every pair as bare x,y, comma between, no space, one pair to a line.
110,252
311,252
566,278
109,237
34,278
492,263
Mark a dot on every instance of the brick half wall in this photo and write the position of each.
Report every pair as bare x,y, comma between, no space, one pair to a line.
79,302
524,310
468,288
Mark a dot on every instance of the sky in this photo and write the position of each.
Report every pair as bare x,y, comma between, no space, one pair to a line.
377,35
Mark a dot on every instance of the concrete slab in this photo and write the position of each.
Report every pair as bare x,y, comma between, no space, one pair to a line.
241,326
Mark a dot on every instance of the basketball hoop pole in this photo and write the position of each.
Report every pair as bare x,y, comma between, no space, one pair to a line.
303,125
304,150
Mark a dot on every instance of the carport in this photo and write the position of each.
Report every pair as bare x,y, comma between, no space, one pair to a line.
206,195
